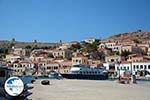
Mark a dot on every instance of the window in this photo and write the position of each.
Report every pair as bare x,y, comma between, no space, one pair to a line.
80,72
112,60
79,61
137,66
148,66
124,68
141,66
84,61
117,68
48,67
134,67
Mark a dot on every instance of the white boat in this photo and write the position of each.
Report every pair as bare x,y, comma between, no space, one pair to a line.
86,72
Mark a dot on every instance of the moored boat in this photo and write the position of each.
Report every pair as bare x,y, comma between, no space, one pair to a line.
86,72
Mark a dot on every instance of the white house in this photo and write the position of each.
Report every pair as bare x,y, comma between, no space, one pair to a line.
13,57
126,65
90,40
106,65
116,48
110,44
114,58
138,66
64,46
102,45
134,67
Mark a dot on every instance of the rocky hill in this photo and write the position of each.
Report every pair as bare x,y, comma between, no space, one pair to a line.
137,36
131,36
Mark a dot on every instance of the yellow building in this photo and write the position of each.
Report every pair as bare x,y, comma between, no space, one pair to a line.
21,51
148,52
65,66
62,54
135,58
79,60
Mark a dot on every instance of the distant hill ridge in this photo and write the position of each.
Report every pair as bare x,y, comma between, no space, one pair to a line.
7,44
130,36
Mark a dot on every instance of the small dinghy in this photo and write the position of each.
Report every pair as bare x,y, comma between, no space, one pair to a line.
45,82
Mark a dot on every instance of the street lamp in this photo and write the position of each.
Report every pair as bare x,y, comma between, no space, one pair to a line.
119,69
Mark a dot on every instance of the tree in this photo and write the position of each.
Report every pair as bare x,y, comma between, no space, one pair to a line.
50,55
116,53
28,47
88,47
125,53
2,56
35,47
3,52
97,55
75,47
136,41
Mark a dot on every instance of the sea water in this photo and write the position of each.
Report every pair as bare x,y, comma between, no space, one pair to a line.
27,79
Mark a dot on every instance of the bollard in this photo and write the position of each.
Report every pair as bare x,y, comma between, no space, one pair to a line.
134,79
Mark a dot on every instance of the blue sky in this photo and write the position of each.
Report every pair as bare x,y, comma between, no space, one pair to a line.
69,20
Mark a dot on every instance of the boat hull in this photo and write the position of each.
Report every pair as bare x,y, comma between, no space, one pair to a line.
81,76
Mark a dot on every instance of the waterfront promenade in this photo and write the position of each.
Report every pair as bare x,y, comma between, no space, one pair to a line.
89,90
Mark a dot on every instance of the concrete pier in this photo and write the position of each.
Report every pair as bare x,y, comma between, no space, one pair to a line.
89,90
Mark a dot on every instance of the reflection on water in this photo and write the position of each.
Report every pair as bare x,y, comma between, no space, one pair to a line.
27,79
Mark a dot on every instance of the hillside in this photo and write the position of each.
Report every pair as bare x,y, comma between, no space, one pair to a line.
137,36
8,44
131,36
